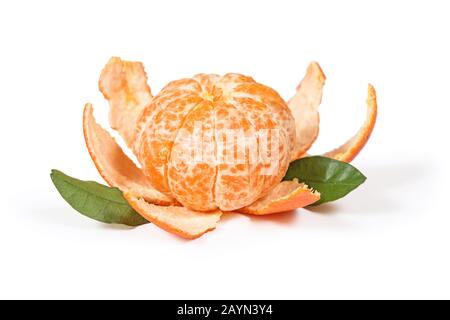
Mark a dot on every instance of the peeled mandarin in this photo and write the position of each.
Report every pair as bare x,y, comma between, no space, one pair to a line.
215,142
209,143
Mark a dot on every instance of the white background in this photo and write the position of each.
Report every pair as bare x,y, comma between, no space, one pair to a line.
388,239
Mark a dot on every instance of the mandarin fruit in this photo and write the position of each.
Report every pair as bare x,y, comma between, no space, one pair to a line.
209,144
215,142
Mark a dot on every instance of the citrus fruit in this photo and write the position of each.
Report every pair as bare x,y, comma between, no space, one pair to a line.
209,144
229,113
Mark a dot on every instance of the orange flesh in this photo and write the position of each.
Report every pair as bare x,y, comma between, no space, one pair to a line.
192,183
231,103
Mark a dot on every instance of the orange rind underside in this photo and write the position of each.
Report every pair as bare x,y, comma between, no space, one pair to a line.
348,151
112,163
178,220
151,126
124,85
304,107
286,196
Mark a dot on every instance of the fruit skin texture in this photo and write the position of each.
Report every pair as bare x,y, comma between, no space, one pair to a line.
215,106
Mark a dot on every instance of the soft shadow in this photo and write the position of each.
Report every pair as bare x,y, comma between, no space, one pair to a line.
56,214
326,208
282,218
229,216
382,193
393,176
120,227
67,216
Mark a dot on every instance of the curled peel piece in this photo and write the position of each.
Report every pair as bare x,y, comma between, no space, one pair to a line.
348,151
304,107
124,85
286,196
177,220
112,163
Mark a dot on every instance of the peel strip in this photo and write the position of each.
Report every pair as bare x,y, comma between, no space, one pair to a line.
113,165
177,220
124,85
286,196
348,151
304,107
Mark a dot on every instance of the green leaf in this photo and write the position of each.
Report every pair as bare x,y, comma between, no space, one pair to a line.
333,179
96,201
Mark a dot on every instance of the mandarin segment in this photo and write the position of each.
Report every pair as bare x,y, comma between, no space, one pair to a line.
276,106
237,181
231,80
258,114
207,81
160,136
175,91
191,171
277,148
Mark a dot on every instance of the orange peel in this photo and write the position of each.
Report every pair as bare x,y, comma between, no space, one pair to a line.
177,220
113,164
124,85
304,107
286,196
348,151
